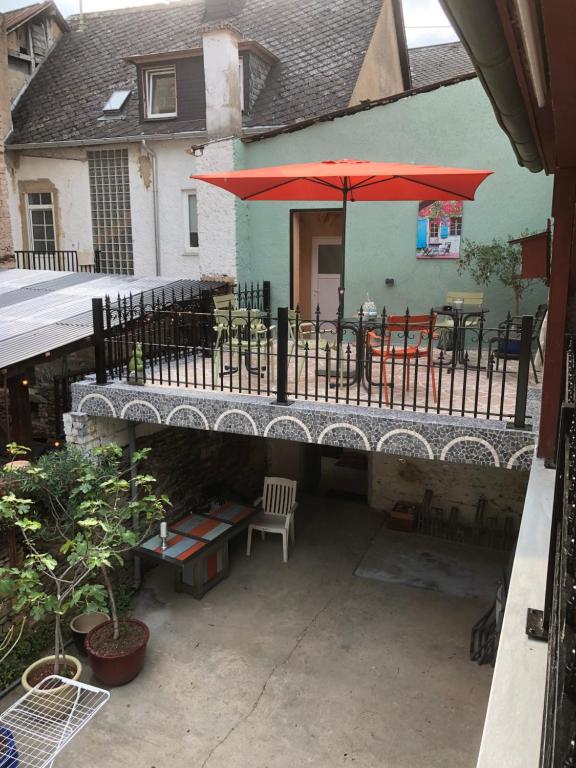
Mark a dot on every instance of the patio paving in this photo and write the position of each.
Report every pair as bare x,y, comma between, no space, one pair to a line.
301,664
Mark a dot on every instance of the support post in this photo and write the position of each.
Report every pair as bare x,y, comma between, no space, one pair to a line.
137,574
97,262
282,358
20,418
99,340
562,280
266,295
523,371
342,288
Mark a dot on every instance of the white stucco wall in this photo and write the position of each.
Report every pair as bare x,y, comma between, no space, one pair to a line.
68,172
216,210
70,177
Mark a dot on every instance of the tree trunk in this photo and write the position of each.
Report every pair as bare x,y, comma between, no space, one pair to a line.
57,644
112,602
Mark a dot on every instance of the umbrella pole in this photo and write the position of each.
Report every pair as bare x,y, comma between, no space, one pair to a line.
343,268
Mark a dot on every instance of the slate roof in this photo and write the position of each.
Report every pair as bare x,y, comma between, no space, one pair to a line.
434,63
19,16
320,46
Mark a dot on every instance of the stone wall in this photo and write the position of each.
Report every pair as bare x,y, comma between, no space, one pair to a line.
394,478
187,462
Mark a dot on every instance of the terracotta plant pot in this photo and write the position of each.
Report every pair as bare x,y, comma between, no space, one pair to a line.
82,624
117,668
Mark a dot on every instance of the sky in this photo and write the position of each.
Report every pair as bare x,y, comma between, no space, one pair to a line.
425,21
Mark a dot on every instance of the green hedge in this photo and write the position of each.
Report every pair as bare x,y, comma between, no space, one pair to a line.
38,643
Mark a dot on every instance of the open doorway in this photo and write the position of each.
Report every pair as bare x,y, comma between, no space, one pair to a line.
316,260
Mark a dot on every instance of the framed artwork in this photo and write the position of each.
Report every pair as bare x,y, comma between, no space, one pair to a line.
439,229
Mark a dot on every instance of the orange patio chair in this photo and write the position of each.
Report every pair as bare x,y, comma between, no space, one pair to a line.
416,329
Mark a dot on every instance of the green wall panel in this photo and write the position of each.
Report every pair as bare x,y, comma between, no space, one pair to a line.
452,126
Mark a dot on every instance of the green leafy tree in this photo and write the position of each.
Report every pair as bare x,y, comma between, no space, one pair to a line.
45,584
497,260
78,519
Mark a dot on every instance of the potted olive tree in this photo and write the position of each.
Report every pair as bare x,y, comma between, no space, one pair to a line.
497,260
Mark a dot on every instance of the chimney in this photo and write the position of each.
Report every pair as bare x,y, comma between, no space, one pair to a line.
221,69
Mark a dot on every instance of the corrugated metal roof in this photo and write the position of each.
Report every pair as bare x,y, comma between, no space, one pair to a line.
41,311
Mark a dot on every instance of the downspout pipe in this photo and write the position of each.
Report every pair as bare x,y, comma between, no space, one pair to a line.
137,572
150,152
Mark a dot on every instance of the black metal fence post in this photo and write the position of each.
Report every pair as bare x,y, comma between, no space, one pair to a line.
266,295
282,358
99,341
524,360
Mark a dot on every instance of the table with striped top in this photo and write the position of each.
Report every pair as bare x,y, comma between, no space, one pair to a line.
178,548
231,512
198,544
200,527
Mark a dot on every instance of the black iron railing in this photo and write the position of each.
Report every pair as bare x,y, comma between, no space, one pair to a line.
57,261
399,362
556,623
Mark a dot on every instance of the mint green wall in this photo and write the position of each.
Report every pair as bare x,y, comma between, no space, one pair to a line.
452,126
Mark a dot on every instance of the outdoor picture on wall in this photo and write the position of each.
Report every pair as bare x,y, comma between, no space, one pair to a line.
439,229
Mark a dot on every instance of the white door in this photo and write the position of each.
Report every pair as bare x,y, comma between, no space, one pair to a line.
326,270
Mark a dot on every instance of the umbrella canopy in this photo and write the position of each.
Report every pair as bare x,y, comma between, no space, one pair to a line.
353,180
349,180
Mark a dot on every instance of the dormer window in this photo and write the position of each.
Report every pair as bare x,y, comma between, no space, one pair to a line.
161,92
115,102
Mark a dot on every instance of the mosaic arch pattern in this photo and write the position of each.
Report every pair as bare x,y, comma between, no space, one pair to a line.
463,440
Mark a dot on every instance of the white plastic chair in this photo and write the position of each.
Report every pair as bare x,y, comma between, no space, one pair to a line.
278,502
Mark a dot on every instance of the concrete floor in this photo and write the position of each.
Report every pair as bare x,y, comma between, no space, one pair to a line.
301,664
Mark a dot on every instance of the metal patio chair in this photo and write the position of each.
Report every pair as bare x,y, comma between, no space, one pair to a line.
412,343
238,333
302,336
278,503
505,345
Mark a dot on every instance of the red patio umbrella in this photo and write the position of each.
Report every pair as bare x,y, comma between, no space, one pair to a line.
349,180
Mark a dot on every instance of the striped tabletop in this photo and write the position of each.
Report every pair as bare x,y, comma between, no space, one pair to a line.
178,548
200,527
230,512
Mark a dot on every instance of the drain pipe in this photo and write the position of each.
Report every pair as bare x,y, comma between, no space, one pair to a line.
152,155
137,575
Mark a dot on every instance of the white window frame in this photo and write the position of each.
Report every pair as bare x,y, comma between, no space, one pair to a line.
190,250
241,73
148,81
40,207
